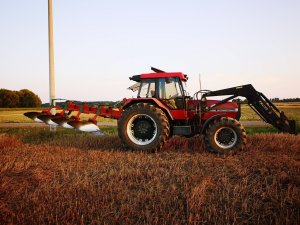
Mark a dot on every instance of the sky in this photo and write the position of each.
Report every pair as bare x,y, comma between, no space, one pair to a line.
99,44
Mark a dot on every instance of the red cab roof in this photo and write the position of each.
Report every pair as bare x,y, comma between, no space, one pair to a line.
180,75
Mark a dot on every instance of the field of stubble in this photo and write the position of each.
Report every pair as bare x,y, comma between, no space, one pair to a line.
79,179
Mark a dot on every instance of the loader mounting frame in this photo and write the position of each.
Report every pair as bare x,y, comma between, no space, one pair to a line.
259,103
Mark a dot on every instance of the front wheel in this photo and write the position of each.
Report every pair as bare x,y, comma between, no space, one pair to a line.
225,136
144,127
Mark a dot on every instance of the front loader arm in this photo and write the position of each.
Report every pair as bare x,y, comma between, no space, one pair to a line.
260,104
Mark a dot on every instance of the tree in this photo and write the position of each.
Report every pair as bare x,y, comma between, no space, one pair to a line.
29,99
240,101
22,98
9,99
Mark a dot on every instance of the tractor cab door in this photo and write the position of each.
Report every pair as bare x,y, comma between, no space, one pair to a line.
170,92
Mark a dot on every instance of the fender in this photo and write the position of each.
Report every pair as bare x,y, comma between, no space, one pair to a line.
207,122
155,101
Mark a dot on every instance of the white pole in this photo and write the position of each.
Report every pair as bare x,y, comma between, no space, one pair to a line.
51,58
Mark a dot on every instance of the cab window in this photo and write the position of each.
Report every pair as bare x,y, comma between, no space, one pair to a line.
147,89
170,92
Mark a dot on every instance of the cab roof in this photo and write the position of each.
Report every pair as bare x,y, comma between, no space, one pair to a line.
140,77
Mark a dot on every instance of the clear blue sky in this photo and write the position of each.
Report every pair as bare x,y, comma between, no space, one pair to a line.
99,44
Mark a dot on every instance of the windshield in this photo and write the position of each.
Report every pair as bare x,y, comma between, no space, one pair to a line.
184,88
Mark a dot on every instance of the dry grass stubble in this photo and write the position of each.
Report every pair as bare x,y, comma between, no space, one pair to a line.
71,181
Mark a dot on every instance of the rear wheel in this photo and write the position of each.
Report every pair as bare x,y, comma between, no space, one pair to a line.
225,136
143,126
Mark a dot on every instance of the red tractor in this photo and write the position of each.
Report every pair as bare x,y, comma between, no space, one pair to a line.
163,109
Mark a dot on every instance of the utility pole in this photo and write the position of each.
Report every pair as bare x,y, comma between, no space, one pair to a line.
51,60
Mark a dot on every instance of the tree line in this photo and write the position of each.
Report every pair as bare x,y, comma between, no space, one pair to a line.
19,99
96,103
244,101
285,100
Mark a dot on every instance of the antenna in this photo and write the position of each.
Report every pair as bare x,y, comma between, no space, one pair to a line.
200,85
200,81
198,108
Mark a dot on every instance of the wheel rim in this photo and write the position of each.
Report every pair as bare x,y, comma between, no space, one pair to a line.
141,129
225,137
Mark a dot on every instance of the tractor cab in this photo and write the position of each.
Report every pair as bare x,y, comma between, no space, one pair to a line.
167,87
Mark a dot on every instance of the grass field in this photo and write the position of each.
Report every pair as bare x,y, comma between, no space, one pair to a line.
11,115
292,110
71,177
74,178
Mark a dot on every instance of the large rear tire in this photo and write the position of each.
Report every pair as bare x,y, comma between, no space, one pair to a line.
225,136
143,126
